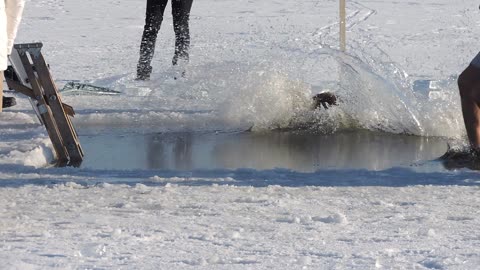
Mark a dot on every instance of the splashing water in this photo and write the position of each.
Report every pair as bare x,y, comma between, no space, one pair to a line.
377,96
382,98
374,94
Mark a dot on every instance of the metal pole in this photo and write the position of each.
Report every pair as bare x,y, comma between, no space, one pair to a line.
343,30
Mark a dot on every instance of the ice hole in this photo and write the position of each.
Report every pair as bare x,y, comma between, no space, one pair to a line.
298,151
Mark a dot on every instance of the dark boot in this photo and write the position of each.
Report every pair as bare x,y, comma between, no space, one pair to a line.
143,72
8,102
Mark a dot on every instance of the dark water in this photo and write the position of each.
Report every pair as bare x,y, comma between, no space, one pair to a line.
303,152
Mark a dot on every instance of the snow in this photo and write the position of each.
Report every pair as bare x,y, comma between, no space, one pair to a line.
220,225
252,64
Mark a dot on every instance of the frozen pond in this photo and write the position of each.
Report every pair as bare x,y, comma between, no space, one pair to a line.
298,151
161,189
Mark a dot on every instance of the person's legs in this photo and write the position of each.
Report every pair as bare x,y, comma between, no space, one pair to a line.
181,16
6,101
1,90
469,87
153,20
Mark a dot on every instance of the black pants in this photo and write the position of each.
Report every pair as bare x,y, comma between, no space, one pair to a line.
153,20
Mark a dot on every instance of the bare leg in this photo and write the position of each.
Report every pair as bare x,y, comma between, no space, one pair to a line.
469,87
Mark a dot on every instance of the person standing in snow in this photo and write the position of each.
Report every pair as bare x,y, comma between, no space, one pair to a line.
153,20
10,16
469,88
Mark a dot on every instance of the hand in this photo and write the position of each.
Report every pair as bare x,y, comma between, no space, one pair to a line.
325,99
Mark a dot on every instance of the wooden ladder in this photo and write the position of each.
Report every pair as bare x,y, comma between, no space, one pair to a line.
29,74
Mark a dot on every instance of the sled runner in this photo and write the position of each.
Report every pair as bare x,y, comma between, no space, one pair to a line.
29,74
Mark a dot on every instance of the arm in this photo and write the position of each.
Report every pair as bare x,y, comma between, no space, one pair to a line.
14,10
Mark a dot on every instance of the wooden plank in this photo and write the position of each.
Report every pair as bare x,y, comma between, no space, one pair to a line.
343,27
20,88
18,68
74,131
53,133
68,109
44,110
54,100
36,82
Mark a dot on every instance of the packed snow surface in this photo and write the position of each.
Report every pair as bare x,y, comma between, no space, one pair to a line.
254,65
